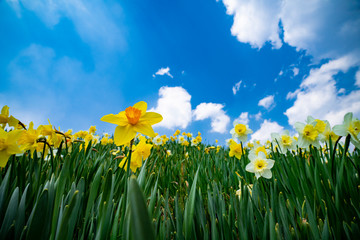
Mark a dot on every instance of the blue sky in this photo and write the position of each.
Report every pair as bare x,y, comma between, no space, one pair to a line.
201,64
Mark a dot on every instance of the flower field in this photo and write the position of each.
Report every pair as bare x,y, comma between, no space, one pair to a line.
64,185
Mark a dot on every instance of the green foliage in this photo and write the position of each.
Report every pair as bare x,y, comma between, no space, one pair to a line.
83,195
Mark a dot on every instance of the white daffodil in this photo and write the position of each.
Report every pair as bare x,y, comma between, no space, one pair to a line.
308,134
351,125
259,148
240,131
284,141
260,165
157,140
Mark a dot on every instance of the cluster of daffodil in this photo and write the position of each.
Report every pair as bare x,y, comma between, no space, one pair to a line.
16,138
314,132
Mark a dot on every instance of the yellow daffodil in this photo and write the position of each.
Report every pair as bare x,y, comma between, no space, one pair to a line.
92,129
134,119
141,152
8,145
28,139
6,119
235,150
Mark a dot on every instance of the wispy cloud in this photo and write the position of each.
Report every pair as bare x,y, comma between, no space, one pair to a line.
97,23
163,71
236,87
267,102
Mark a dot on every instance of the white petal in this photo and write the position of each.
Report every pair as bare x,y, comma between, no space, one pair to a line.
267,174
270,163
250,167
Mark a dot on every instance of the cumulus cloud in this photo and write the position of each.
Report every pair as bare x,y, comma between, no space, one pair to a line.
243,118
236,87
163,71
266,128
214,111
326,29
267,102
319,97
175,107
94,21
255,22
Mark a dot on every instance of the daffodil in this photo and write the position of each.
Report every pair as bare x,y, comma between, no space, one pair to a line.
329,133
194,142
8,145
284,141
28,139
235,150
6,119
140,153
260,165
308,134
351,125
157,140
240,131
134,119
259,148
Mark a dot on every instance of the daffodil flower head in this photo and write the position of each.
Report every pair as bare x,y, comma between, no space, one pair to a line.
240,131
260,165
284,141
235,150
6,119
157,140
308,134
8,145
351,125
259,148
140,153
194,142
134,119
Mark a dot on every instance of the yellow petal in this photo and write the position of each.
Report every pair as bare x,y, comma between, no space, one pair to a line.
145,129
119,119
124,134
151,118
4,157
5,111
141,106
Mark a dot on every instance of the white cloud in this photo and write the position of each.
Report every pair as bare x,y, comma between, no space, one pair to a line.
255,22
214,111
357,78
295,71
258,116
267,102
163,71
319,97
236,87
96,23
175,107
266,128
326,29
243,118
